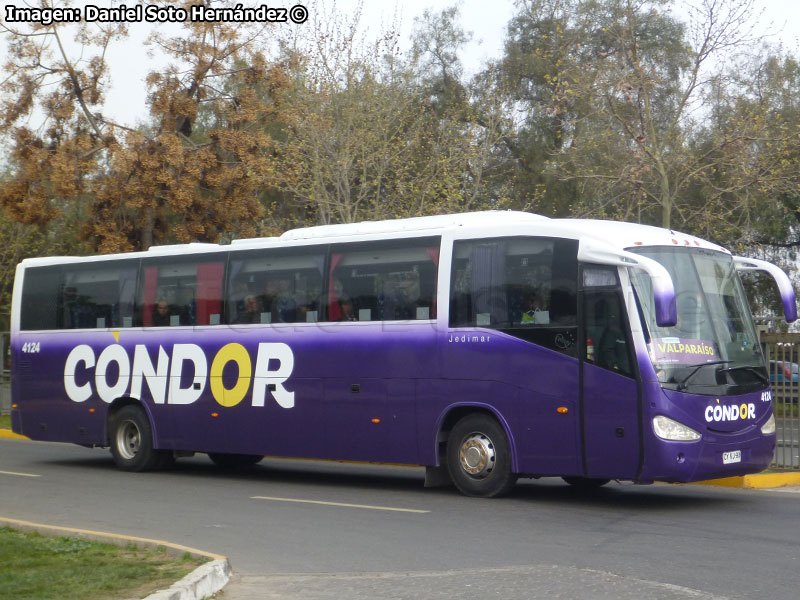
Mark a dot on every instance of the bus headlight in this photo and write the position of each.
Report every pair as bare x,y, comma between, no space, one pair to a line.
768,428
667,429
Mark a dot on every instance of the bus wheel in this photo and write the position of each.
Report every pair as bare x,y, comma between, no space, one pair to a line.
234,461
132,441
479,457
585,483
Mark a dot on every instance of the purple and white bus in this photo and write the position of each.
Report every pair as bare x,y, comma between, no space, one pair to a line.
485,346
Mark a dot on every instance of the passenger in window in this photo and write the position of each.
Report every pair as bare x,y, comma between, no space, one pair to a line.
338,287
284,307
305,310
348,312
251,313
188,309
270,294
412,297
393,303
237,296
533,309
72,308
340,305
336,300
161,314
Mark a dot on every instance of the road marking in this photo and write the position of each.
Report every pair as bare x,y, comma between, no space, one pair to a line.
342,504
19,474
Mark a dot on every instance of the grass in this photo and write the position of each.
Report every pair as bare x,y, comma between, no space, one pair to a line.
5,421
41,568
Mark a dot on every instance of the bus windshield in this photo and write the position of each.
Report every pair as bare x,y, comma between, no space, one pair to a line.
713,348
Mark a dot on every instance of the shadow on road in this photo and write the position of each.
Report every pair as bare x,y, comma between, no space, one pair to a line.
363,476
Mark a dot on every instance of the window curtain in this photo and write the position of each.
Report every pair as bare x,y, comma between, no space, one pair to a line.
434,254
70,310
149,294
209,291
489,281
334,309
127,296
235,268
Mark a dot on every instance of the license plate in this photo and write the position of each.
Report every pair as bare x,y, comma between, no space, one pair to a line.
729,458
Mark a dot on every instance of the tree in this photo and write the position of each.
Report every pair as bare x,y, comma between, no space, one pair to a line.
51,163
376,138
751,191
615,89
170,181
188,182
436,42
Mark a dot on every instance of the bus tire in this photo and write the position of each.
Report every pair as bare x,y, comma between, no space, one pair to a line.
132,441
479,457
585,483
234,461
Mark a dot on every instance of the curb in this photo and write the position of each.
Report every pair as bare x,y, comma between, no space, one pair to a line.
204,581
7,433
759,481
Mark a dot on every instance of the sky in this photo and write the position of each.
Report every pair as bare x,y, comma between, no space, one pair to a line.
485,19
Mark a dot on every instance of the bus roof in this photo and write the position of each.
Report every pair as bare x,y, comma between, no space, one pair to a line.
483,223
618,234
487,218
630,235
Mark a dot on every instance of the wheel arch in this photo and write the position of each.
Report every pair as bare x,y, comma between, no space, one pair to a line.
454,413
118,405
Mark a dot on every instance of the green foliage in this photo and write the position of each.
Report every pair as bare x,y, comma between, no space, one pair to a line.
377,136
36,567
19,241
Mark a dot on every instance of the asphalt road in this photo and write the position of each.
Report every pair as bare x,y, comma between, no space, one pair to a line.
297,529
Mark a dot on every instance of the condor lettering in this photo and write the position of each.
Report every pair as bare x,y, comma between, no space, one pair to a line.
735,412
163,374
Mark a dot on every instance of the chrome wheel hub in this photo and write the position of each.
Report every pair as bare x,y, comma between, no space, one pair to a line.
129,440
477,455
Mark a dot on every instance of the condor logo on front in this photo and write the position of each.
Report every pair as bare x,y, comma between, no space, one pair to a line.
735,412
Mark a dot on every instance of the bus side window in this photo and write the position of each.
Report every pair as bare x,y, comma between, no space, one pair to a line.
383,281
191,290
275,286
41,290
605,327
523,286
98,295
513,283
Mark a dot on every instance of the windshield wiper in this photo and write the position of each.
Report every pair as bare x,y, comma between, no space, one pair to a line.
758,371
683,384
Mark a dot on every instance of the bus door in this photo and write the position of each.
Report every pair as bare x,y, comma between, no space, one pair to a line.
610,396
513,342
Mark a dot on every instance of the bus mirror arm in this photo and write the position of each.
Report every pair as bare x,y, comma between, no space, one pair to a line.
663,288
784,283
